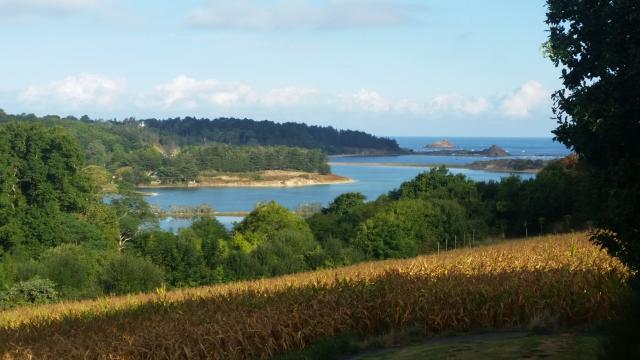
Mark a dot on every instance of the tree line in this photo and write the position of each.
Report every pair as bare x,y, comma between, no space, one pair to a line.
189,131
147,164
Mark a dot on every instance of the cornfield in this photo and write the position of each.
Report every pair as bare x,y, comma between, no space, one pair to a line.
508,285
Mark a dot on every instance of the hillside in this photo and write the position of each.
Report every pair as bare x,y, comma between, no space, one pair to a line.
177,151
168,135
553,280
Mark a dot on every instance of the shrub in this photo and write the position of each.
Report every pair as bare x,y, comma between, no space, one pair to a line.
126,273
34,291
29,269
74,269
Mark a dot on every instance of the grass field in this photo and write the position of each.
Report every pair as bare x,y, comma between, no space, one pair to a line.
560,280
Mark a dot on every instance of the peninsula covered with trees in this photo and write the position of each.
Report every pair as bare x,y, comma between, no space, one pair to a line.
206,152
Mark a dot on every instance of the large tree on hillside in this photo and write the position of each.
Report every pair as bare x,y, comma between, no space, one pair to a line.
596,43
42,188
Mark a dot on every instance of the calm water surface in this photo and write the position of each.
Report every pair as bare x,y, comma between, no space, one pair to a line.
372,181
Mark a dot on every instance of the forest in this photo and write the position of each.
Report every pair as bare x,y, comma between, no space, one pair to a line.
139,154
189,131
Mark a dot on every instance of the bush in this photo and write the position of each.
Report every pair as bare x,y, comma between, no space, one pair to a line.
272,241
74,269
126,273
34,291
29,269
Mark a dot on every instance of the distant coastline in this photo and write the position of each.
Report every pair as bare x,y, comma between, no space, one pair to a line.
524,166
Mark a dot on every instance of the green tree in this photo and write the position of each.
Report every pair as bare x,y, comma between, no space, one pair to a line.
33,291
126,273
210,232
133,214
74,269
597,45
408,227
345,202
271,241
41,180
100,179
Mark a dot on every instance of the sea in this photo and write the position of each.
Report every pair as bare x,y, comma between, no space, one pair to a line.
384,174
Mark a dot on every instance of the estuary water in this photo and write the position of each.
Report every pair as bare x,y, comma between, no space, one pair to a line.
371,180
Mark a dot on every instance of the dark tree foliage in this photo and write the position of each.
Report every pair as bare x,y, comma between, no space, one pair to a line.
597,45
189,131
33,291
41,183
438,209
556,200
222,157
125,273
139,154
345,202
271,241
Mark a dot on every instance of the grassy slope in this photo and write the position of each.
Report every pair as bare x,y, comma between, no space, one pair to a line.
563,279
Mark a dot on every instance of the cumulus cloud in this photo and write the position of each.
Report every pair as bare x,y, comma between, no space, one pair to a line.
520,102
444,104
76,91
460,103
12,8
91,91
190,93
184,91
288,96
303,14
364,100
411,106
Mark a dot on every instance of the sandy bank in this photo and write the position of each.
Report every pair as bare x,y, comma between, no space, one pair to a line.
269,178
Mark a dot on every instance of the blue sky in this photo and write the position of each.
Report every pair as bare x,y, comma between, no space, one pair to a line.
430,67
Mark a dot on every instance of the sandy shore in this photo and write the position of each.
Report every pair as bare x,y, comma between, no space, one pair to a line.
269,178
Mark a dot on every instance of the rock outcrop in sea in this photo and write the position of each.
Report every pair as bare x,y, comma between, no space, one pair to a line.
442,144
493,151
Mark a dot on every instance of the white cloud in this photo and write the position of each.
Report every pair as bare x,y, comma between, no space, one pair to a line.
184,91
9,8
303,14
91,91
520,102
364,99
190,93
459,103
410,106
76,91
372,101
288,96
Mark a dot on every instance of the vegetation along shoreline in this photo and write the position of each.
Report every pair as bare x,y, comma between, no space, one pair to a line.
525,166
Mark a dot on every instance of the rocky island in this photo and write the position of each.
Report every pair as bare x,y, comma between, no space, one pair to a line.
442,144
510,165
493,151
